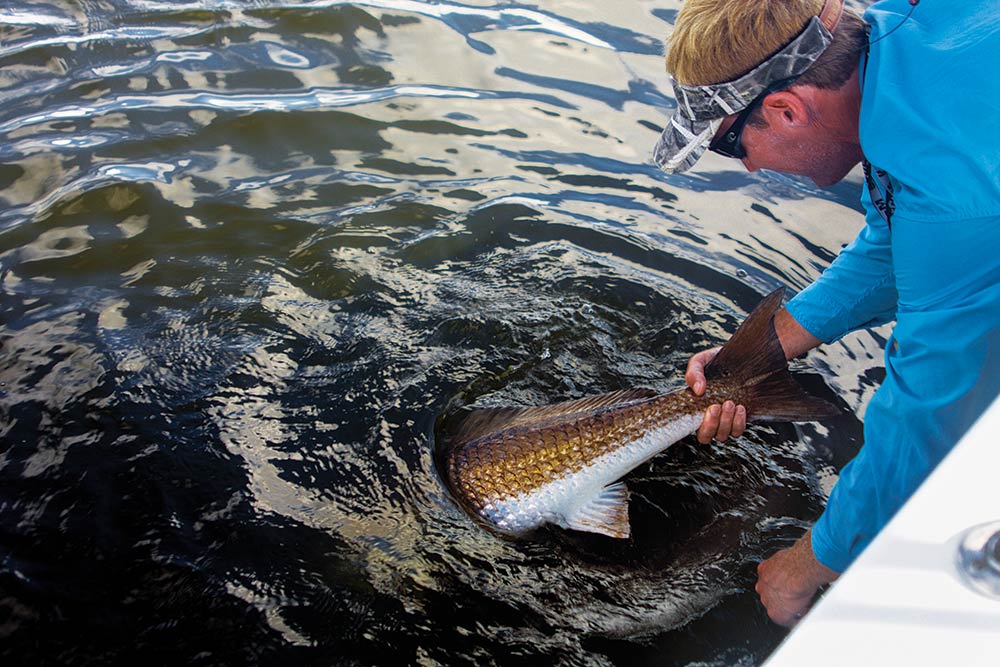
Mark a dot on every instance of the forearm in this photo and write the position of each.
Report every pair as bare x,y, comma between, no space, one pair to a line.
858,290
795,339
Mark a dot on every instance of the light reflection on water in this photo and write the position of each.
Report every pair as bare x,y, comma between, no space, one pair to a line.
250,252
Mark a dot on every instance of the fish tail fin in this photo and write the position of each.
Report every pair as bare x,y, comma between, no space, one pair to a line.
754,359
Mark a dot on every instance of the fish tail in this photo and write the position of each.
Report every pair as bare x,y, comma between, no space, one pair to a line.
754,360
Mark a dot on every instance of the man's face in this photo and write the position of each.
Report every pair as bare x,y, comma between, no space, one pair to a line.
796,140
809,153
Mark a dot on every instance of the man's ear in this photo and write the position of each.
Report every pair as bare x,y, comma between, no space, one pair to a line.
785,107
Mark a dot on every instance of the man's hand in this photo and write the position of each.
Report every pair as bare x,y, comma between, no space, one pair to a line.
720,421
723,421
788,580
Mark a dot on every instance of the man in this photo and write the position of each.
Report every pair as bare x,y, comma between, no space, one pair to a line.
807,87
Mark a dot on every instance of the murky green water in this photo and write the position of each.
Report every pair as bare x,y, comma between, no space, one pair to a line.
251,251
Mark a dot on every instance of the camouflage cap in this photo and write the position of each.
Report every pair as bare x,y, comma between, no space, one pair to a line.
701,109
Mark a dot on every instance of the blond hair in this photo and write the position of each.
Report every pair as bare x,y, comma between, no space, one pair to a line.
720,40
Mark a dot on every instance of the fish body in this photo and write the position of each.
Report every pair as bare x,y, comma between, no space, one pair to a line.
516,469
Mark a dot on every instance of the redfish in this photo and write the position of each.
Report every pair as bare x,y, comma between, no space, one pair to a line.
516,469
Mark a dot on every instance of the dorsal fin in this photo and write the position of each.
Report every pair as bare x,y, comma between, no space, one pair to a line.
487,421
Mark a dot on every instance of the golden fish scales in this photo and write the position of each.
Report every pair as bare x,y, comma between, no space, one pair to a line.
523,458
516,461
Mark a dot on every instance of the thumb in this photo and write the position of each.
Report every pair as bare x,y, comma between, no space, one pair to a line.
695,375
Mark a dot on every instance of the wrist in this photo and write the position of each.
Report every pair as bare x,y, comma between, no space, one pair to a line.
812,570
795,339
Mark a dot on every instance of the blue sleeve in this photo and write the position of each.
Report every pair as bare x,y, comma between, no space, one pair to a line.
942,366
857,291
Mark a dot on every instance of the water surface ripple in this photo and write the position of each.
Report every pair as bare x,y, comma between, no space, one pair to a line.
250,254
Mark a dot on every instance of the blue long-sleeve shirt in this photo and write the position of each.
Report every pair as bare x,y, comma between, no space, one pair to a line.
929,112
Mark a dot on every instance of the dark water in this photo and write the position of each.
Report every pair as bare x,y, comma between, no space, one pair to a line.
250,252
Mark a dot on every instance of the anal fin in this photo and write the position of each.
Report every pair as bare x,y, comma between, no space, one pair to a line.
606,513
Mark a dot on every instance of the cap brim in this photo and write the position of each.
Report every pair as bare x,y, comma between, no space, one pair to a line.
700,109
683,141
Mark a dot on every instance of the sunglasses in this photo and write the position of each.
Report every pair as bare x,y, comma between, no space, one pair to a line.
730,143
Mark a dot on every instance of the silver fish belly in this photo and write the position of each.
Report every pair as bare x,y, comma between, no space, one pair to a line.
586,499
